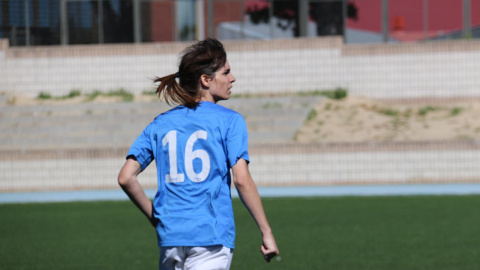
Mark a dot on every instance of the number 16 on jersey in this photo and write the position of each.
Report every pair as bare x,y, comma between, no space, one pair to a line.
174,176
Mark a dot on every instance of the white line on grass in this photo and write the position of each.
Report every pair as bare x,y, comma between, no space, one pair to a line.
310,191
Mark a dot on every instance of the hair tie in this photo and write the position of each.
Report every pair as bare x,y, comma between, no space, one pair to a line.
177,75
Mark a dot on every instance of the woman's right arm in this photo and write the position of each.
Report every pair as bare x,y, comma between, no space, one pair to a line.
127,179
251,199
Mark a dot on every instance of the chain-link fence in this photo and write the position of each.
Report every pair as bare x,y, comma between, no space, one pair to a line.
278,165
69,113
49,22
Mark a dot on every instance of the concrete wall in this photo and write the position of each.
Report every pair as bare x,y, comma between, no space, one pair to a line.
431,69
305,165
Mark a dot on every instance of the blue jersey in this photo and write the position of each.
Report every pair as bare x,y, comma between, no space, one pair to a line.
194,150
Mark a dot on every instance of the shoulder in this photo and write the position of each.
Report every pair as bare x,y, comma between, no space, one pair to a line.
219,109
173,111
232,118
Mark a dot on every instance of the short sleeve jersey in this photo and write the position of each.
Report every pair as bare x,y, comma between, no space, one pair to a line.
194,150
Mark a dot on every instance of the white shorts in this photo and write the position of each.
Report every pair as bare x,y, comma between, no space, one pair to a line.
190,258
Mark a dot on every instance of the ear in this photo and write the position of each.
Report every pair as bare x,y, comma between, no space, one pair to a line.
205,81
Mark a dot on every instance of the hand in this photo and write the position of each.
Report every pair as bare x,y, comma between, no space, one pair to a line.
269,247
153,221
152,218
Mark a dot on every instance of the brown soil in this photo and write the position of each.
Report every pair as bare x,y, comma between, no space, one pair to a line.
356,119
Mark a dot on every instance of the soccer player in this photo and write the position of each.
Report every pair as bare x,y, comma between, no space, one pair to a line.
195,145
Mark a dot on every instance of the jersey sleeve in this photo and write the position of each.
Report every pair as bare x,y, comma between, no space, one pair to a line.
141,149
237,140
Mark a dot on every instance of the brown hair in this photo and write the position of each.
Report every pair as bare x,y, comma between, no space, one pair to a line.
203,57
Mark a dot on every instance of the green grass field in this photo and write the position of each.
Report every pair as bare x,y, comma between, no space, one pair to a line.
424,232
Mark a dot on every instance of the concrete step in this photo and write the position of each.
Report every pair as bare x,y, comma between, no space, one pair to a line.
268,120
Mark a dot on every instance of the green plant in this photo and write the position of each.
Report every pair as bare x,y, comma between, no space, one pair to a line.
149,93
44,95
74,93
339,93
125,95
455,111
311,115
423,111
388,112
93,95
122,93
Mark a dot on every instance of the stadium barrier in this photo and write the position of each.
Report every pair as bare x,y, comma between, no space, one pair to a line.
271,165
430,70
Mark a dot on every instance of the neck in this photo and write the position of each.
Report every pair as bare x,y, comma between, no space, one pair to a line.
207,98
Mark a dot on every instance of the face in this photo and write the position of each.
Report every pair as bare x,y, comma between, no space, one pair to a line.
220,85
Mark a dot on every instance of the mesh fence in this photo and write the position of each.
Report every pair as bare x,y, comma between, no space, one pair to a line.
271,165
69,113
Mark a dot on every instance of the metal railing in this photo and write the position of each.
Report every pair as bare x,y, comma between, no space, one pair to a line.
50,22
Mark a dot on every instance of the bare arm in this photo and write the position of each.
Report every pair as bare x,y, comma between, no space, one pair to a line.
251,199
127,179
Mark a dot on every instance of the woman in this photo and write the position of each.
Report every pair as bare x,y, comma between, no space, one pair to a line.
195,146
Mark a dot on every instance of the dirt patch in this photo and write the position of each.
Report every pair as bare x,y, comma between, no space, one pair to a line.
355,119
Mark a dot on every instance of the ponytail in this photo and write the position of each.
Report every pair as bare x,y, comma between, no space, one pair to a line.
203,57
171,92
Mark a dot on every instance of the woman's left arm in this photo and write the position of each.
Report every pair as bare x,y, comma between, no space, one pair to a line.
247,190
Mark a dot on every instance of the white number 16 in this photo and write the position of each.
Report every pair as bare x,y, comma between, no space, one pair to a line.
190,155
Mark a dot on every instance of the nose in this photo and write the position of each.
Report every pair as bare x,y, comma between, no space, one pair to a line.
232,78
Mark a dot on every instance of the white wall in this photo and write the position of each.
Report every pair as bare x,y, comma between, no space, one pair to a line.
437,69
435,74
269,169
